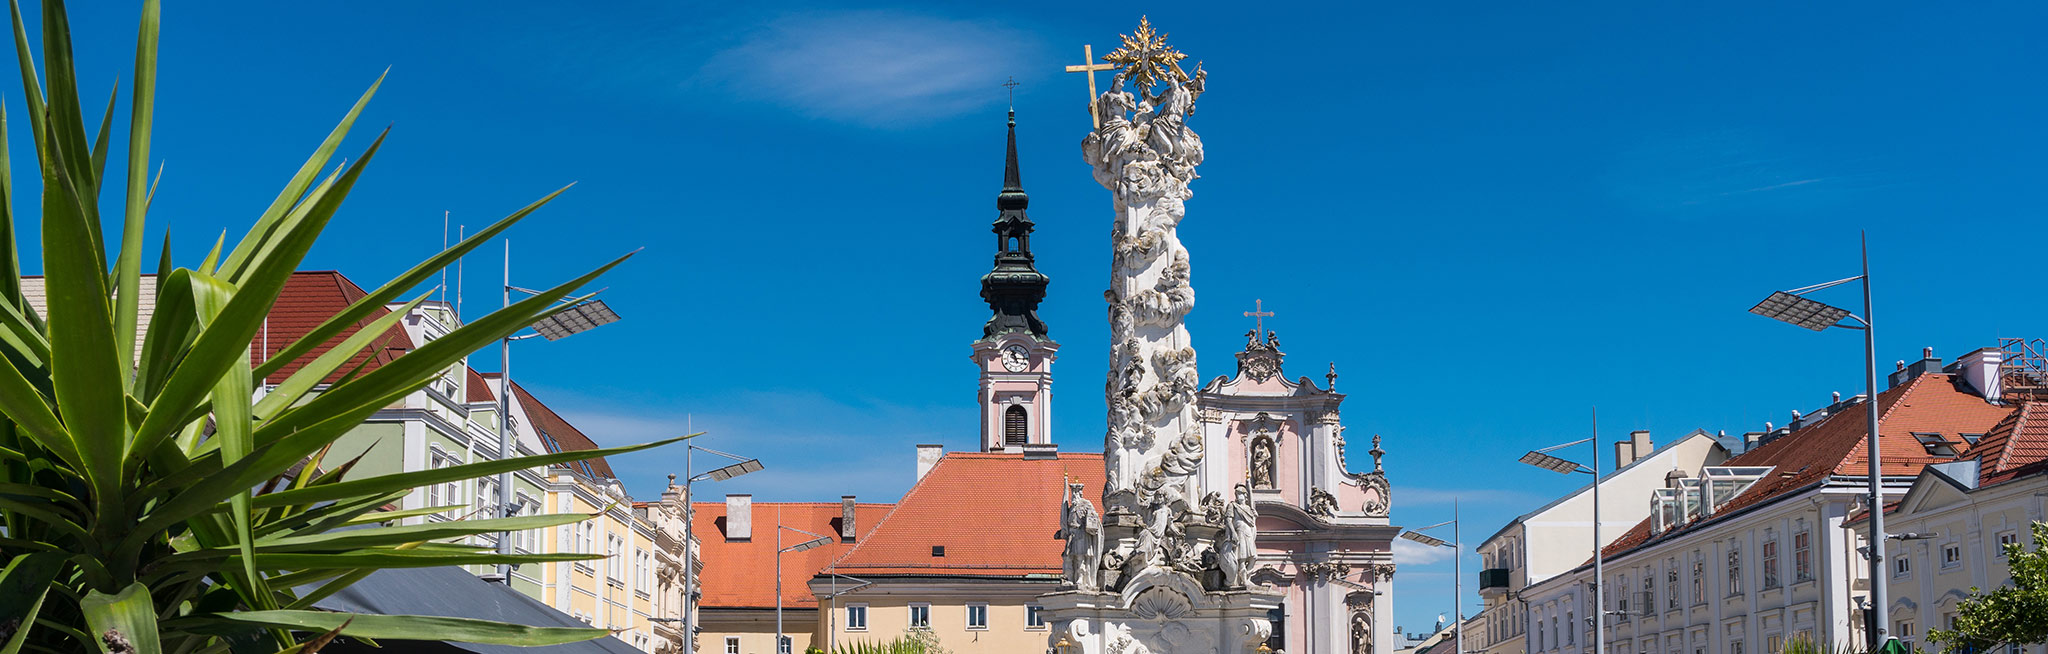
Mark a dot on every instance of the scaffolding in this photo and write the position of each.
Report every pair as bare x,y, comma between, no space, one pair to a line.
2023,370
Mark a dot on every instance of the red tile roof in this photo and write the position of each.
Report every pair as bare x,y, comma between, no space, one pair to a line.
1930,403
2019,441
996,514
559,435
310,298
479,390
741,573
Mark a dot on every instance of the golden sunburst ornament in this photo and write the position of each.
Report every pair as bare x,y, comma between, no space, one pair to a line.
1146,58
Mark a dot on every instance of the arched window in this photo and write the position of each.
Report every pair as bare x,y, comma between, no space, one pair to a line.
1015,426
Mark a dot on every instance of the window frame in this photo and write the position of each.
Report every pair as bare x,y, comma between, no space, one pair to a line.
2004,538
732,645
911,616
971,606
1802,555
849,620
1951,555
1902,566
1034,618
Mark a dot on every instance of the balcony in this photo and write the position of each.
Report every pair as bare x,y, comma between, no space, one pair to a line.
1493,580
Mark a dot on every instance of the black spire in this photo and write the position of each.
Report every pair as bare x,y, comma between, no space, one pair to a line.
1014,288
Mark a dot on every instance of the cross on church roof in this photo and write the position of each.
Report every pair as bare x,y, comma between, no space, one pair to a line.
1012,85
1089,66
1259,313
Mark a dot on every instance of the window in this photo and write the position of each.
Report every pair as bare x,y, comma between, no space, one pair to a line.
1802,554
732,645
1621,599
782,645
2007,538
1902,566
1774,643
1699,578
977,616
1951,555
1015,425
486,497
527,540
856,617
445,493
921,616
1904,630
1671,583
1734,569
1571,636
1735,647
1770,562
1033,617
612,547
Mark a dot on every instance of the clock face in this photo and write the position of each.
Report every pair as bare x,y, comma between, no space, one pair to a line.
1016,358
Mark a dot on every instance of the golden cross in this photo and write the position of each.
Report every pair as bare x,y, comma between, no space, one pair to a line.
1260,313
1089,67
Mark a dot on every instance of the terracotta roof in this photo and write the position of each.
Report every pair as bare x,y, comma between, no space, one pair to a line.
558,434
995,514
1930,403
479,390
741,573
2019,441
310,298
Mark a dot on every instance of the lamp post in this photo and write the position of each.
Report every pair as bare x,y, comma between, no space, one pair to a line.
578,318
815,541
831,625
741,467
1457,568
1792,308
1547,462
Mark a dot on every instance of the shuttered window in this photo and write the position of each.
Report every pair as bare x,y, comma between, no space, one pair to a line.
1014,426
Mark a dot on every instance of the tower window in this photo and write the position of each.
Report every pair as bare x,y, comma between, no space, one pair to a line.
1014,425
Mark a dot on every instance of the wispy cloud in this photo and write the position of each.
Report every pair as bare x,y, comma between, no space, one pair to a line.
1407,496
1408,552
1703,170
871,68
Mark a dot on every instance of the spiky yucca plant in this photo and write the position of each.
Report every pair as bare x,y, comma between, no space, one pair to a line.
147,500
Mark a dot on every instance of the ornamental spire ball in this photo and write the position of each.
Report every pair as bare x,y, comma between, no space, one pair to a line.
1146,58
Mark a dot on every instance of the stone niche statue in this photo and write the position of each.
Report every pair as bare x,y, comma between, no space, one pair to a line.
1081,527
1262,462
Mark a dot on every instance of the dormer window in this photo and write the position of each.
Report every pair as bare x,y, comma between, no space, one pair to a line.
1935,444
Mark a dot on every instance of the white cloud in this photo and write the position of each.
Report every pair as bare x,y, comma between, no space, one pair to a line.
1408,552
872,68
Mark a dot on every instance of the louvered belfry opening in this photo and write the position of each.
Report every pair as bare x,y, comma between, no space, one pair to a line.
1014,426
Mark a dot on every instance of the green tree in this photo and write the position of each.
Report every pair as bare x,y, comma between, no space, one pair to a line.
2010,614
149,504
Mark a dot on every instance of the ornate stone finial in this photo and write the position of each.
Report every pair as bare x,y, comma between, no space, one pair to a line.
1332,377
671,479
1376,453
1146,58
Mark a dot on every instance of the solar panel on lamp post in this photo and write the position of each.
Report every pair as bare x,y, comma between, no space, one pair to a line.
1792,308
1559,465
578,318
779,551
743,466
1457,567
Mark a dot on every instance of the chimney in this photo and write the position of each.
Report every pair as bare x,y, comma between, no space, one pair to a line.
739,517
928,456
1927,363
846,527
1624,453
1980,370
1641,438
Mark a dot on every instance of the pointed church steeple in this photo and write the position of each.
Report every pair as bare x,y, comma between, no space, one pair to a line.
1015,287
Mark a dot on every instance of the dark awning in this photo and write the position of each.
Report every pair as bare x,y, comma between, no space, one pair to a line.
452,592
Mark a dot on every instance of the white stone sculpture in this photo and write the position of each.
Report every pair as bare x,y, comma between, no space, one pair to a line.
1236,549
1081,526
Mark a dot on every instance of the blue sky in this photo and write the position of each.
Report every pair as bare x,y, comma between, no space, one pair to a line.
1492,217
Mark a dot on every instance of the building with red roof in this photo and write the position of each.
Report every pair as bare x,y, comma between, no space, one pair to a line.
1753,553
738,585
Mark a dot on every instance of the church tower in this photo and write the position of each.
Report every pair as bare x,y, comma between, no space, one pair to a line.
1014,354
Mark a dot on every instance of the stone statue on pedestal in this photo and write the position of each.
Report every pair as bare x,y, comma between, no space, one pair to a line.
1081,527
1236,549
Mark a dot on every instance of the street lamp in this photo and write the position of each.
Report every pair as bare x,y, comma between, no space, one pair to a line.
1792,307
831,623
1457,567
741,467
578,318
1539,459
815,541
